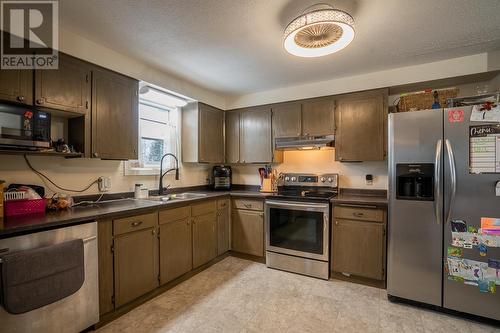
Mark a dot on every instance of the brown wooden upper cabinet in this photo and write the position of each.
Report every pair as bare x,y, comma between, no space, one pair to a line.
249,137
318,117
115,123
202,134
287,120
307,118
66,88
361,126
255,136
16,85
232,136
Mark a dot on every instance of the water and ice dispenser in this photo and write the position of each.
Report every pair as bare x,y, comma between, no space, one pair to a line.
415,181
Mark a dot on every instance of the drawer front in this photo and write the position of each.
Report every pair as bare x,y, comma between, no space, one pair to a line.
358,213
248,204
134,223
174,214
203,208
222,203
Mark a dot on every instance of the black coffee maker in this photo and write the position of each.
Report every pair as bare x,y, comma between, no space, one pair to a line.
222,176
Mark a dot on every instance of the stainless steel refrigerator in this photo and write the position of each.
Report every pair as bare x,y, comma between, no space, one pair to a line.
431,185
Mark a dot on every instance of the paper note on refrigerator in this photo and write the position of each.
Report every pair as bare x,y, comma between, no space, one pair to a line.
492,115
484,149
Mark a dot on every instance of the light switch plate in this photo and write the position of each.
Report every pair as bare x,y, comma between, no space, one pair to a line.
104,184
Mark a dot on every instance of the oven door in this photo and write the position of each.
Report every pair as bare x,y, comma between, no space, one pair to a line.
298,228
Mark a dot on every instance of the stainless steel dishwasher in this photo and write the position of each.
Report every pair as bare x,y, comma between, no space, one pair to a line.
74,313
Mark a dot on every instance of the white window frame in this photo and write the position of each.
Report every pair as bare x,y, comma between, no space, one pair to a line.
131,168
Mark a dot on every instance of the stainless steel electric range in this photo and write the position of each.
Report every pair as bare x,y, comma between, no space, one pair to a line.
298,224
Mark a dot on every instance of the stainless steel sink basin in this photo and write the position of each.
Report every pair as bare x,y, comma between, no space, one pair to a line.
178,196
188,195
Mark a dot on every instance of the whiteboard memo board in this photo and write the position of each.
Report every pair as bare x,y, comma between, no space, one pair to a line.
484,149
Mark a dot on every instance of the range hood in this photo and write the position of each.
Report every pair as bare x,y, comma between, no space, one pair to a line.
304,143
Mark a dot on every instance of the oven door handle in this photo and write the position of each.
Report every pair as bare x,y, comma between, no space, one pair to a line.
296,204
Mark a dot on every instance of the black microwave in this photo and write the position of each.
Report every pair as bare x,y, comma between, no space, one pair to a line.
24,128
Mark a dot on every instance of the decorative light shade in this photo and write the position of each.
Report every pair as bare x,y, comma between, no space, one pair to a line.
320,31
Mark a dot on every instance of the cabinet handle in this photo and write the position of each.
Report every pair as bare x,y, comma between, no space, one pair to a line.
336,222
40,101
20,98
136,224
247,205
154,232
358,214
187,222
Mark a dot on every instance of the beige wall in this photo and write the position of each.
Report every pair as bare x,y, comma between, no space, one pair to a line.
352,175
86,49
78,173
477,63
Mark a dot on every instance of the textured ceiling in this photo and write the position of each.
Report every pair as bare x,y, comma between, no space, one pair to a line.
235,46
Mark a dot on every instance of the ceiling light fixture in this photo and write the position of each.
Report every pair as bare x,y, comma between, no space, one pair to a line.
320,30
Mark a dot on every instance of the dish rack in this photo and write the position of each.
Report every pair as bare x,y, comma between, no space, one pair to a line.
16,204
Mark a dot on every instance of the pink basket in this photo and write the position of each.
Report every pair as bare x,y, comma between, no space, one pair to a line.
24,207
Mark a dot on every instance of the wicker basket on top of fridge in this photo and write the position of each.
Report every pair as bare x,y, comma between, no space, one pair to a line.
424,100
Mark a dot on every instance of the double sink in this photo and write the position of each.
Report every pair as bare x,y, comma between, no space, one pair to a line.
177,196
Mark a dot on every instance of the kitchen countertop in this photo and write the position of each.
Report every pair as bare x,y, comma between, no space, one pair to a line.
16,226
361,197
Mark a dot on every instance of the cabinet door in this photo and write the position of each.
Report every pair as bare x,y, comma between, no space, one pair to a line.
136,264
16,85
175,249
361,128
232,137
66,88
105,260
255,139
358,248
211,134
223,229
204,239
287,120
248,232
318,117
115,123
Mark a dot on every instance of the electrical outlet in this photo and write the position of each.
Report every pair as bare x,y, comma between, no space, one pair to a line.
104,184
369,179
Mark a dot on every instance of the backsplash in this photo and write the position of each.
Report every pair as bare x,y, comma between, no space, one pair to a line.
78,173
352,175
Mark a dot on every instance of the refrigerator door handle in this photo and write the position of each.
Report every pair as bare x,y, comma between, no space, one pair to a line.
437,181
453,178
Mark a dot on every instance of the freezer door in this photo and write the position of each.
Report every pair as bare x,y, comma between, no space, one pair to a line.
414,268
474,198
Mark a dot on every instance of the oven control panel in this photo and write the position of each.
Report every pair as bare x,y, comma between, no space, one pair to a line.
303,179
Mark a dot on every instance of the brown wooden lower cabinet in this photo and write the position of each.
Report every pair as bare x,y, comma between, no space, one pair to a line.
223,226
136,264
175,248
105,260
248,232
359,248
204,239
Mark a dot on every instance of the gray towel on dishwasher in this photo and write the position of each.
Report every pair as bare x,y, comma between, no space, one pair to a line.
37,277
